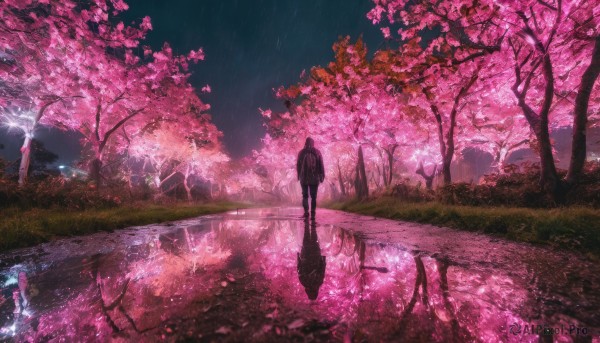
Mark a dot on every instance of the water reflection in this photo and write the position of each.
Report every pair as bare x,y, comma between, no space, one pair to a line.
252,279
311,264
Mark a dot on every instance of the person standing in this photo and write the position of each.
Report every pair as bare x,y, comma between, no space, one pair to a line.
311,172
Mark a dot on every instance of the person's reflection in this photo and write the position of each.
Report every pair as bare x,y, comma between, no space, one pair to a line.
311,264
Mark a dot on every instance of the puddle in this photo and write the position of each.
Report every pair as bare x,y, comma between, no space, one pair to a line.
268,275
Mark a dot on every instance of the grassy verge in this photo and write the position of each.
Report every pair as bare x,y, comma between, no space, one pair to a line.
19,228
571,228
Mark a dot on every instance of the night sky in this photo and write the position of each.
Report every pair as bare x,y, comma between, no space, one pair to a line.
251,48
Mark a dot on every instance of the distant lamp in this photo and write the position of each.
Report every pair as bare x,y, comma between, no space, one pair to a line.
61,167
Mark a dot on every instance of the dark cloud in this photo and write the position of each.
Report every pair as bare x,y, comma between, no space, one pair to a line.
252,47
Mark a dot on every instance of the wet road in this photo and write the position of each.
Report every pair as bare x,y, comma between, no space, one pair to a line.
269,275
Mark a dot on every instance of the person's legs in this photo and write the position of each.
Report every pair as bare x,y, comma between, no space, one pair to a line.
313,198
304,198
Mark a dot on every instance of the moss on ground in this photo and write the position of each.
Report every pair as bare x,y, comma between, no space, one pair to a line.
571,228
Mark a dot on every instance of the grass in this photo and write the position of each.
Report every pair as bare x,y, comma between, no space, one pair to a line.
572,228
23,228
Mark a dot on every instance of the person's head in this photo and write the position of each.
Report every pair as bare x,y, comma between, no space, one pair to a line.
310,143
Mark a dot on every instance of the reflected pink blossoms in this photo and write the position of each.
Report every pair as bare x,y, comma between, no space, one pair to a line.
239,279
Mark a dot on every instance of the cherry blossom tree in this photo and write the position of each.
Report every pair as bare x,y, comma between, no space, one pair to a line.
47,49
350,105
580,35
499,137
441,75
347,101
37,66
58,52
276,165
135,94
547,42
185,147
243,182
423,153
493,122
340,161
538,40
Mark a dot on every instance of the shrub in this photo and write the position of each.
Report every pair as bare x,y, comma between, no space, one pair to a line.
519,188
407,192
460,194
587,192
56,192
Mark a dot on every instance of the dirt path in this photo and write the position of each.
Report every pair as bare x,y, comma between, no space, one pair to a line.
267,274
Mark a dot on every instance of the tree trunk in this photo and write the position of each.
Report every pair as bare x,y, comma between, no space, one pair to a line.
578,149
390,155
375,180
188,190
428,178
504,152
420,284
96,167
383,170
549,181
446,146
450,143
25,160
383,173
443,150
361,167
26,147
341,180
500,160
454,323
549,177
129,183
446,172
360,183
160,182
95,174
334,193
448,153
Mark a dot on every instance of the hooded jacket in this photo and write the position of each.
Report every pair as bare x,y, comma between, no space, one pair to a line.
310,174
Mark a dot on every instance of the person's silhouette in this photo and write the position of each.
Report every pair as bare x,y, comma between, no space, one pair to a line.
310,171
311,264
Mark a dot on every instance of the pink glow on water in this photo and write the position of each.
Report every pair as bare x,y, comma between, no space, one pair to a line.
369,289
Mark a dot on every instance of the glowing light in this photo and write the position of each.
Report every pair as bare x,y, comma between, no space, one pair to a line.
529,39
21,120
10,330
11,281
